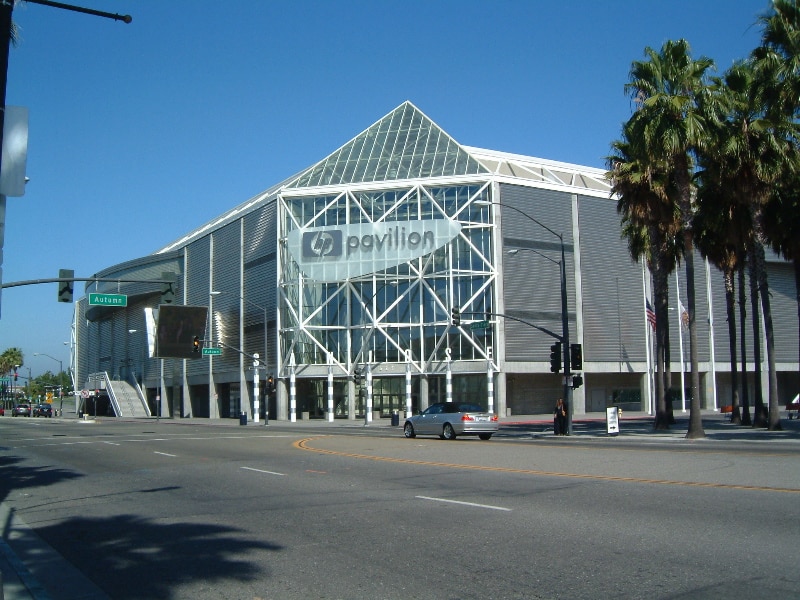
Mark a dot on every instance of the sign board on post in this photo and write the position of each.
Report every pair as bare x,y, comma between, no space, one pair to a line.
479,325
612,420
108,299
212,351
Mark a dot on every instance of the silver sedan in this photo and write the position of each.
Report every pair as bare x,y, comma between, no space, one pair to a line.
451,419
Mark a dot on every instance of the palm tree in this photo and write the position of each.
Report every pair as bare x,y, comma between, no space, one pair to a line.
10,358
782,226
752,154
671,127
722,230
650,225
778,61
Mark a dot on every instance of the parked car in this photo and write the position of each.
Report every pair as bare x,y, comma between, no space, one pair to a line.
2,411
42,410
451,419
22,410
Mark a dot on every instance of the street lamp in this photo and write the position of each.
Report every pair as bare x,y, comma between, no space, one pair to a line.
564,314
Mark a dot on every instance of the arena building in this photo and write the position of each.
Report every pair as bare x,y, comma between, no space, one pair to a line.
402,270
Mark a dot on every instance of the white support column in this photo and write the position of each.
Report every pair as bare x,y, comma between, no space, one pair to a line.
408,383
490,385
712,357
368,407
449,389
680,310
292,393
256,394
330,389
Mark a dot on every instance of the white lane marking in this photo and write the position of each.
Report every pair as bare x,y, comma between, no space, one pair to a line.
112,443
489,506
164,454
262,471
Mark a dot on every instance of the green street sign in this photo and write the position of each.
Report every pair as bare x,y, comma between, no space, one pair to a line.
212,351
479,325
108,300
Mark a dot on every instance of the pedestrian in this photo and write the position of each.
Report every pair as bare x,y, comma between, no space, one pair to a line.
560,418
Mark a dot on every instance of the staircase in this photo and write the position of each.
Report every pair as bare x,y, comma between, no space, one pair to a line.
128,401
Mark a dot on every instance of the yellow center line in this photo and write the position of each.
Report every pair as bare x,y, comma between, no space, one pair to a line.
304,444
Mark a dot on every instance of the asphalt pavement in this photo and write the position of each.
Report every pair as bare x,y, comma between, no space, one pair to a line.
18,583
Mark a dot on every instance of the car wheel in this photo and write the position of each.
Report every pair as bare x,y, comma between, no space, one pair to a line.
485,436
408,430
448,433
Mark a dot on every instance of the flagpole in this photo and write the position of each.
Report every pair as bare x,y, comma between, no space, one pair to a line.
711,336
680,342
647,340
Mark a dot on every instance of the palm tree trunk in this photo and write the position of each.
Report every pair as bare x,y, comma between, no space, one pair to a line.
668,396
695,419
743,345
759,410
730,309
660,299
774,417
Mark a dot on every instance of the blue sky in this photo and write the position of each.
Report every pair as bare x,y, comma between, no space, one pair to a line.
142,132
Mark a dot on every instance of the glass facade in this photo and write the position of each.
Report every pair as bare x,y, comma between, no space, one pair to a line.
398,313
365,199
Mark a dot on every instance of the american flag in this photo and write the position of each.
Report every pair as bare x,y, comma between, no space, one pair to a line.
651,314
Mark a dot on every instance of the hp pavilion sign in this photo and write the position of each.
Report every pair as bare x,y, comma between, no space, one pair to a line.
336,253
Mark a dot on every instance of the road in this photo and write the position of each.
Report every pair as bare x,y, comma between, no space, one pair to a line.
169,510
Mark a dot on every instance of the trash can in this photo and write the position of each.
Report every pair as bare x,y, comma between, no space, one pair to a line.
395,418
243,419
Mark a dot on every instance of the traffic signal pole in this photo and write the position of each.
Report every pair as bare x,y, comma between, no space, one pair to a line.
565,338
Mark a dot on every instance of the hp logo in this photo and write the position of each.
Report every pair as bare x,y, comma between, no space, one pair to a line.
322,244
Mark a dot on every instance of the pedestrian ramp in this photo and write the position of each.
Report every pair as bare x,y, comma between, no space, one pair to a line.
126,399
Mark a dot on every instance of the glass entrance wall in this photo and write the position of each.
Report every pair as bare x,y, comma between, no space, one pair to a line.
399,312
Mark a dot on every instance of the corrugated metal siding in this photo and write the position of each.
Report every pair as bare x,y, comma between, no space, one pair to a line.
783,302
82,357
531,283
613,316
227,279
198,268
260,279
722,351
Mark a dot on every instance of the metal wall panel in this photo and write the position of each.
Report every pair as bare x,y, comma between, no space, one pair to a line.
227,279
531,282
198,270
613,305
260,280
783,302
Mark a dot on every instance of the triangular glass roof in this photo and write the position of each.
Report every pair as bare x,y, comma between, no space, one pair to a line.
405,144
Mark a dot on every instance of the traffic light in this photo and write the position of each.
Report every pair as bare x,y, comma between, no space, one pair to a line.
196,344
555,357
168,288
65,287
357,378
577,381
455,316
576,357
